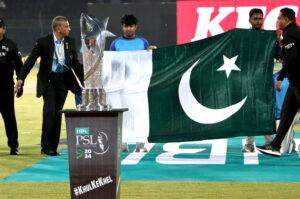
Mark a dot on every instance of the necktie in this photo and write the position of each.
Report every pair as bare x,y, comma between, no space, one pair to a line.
59,52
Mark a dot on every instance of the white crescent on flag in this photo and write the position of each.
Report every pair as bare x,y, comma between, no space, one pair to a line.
196,111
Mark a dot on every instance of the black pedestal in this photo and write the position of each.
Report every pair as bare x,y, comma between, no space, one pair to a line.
94,148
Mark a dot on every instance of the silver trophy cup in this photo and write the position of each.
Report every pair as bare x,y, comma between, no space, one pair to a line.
93,34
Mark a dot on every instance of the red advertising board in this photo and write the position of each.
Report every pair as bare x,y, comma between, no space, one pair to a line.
201,19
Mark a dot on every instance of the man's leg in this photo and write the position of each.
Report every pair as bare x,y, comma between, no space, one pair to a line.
287,142
297,121
8,114
61,96
48,118
289,109
125,148
268,139
140,147
249,146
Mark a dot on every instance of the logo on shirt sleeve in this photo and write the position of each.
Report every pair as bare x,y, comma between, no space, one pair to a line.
288,46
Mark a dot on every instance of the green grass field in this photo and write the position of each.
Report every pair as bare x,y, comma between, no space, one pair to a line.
29,115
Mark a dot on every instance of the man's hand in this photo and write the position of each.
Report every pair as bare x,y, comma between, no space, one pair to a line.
19,88
277,85
151,47
20,92
278,36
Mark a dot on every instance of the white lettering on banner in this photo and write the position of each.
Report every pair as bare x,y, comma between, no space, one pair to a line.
204,24
94,184
217,155
135,158
243,16
85,140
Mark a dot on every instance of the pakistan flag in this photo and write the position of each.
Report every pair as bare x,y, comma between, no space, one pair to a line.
213,88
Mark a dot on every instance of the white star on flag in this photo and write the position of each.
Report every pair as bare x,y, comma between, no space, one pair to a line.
229,65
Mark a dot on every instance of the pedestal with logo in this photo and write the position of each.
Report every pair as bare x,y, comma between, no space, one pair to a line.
94,148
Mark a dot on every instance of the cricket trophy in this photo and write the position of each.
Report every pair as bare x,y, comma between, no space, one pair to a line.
93,34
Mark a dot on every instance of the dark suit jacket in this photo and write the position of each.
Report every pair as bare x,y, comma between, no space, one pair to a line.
44,48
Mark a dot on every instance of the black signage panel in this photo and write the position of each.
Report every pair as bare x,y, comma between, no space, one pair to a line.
94,148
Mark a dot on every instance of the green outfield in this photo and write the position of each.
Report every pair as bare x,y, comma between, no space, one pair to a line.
29,115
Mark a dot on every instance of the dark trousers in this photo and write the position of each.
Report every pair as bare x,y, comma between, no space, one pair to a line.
54,99
7,110
289,109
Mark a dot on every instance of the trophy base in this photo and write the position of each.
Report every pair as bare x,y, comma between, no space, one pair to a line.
94,100
98,107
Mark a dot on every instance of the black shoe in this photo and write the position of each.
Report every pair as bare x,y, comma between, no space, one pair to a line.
269,150
14,151
49,152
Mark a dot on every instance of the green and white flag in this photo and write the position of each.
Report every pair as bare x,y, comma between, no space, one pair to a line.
213,88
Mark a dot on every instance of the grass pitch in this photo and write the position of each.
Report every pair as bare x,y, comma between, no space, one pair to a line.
29,119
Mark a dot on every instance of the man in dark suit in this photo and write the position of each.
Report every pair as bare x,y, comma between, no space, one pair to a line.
291,69
55,78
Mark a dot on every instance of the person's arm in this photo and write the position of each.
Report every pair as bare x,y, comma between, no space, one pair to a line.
76,65
17,64
278,46
290,57
147,46
35,53
277,85
16,59
113,46
278,37
151,47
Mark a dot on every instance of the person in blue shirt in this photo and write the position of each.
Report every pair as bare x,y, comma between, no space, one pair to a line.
129,41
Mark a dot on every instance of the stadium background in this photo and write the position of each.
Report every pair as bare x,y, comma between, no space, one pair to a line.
28,20
162,22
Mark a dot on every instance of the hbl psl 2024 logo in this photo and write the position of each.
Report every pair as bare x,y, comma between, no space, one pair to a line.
88,144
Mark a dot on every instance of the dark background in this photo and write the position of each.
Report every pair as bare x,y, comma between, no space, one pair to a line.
27,20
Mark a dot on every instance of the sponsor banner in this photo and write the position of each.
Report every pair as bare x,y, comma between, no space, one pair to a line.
201,19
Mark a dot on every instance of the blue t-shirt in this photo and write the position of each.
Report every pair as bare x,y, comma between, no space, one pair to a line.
123,44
